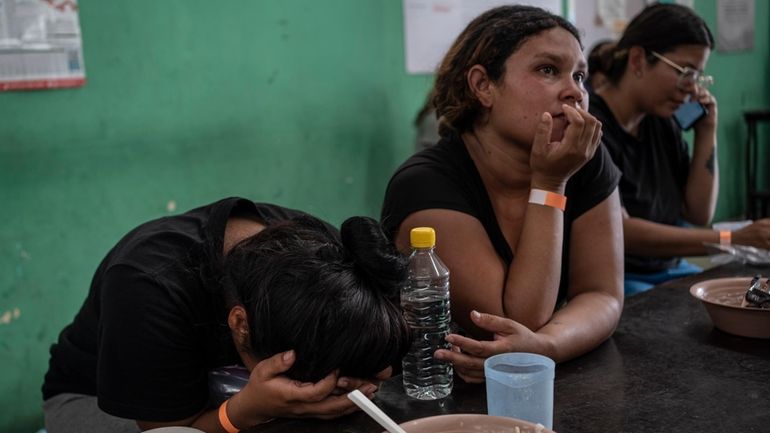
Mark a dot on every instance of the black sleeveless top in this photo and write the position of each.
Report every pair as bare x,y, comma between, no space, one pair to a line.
445,177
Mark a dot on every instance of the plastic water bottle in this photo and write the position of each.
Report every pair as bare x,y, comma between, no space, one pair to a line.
425,301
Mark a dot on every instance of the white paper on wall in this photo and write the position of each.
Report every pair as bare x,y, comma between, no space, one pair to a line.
735,25
430,26
599,20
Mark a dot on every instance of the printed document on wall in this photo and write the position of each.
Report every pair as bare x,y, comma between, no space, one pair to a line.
430,26
40,45
735,25
602,20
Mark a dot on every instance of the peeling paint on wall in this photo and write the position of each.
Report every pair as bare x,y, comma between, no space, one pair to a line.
9,316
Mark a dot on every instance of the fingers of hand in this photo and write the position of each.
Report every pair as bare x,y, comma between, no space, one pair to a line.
462,361
331,407
470,374
597,137
368,389
594,139
273,366
470,378
493,323
593,126
469,368
543,131
467,345
702,95
575,129
574,114
312,392
706,98
591,133
580,132
350,383
344,411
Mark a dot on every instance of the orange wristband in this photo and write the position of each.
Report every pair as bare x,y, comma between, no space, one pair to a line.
548,198
725,237
225,421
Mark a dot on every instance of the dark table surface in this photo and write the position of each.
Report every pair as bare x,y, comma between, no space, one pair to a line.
665,369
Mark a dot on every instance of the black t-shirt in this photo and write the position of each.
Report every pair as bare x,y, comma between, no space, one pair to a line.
445,177
155,321
655,167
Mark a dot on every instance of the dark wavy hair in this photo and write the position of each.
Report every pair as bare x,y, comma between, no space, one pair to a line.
659,27
333,300
487,41
595,55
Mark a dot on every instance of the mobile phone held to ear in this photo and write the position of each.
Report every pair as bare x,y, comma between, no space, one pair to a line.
689,113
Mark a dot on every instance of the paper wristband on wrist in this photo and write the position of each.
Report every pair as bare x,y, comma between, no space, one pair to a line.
548,198
225,421
725,237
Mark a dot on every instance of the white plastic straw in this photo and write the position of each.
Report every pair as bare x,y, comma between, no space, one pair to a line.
375,412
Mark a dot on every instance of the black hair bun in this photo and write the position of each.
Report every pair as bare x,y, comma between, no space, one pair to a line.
374,254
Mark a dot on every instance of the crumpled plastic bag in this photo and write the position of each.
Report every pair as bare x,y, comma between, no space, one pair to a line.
721,254
224,382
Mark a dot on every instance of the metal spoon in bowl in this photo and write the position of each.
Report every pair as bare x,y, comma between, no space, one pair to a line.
375,412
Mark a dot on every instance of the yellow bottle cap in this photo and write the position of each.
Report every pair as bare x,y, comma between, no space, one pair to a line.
422,237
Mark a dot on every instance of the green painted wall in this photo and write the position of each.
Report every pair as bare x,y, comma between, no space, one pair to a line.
740,84
302,103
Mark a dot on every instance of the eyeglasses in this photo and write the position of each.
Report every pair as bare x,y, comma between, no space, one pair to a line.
687,76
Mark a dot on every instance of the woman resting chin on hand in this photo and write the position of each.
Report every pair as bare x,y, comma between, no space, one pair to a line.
522,197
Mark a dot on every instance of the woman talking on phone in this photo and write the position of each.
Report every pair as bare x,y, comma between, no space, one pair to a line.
656,89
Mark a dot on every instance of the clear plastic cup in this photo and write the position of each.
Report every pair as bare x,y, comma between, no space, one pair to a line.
520,385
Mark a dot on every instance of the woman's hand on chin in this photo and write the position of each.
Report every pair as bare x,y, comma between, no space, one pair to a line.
554,162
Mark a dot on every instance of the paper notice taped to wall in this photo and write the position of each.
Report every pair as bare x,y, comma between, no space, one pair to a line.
430,26
40,45
735,25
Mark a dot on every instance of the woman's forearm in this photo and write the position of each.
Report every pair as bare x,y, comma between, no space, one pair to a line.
650,239
584,323
532,283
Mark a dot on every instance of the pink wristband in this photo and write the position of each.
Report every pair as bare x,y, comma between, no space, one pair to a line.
548,198
725,237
